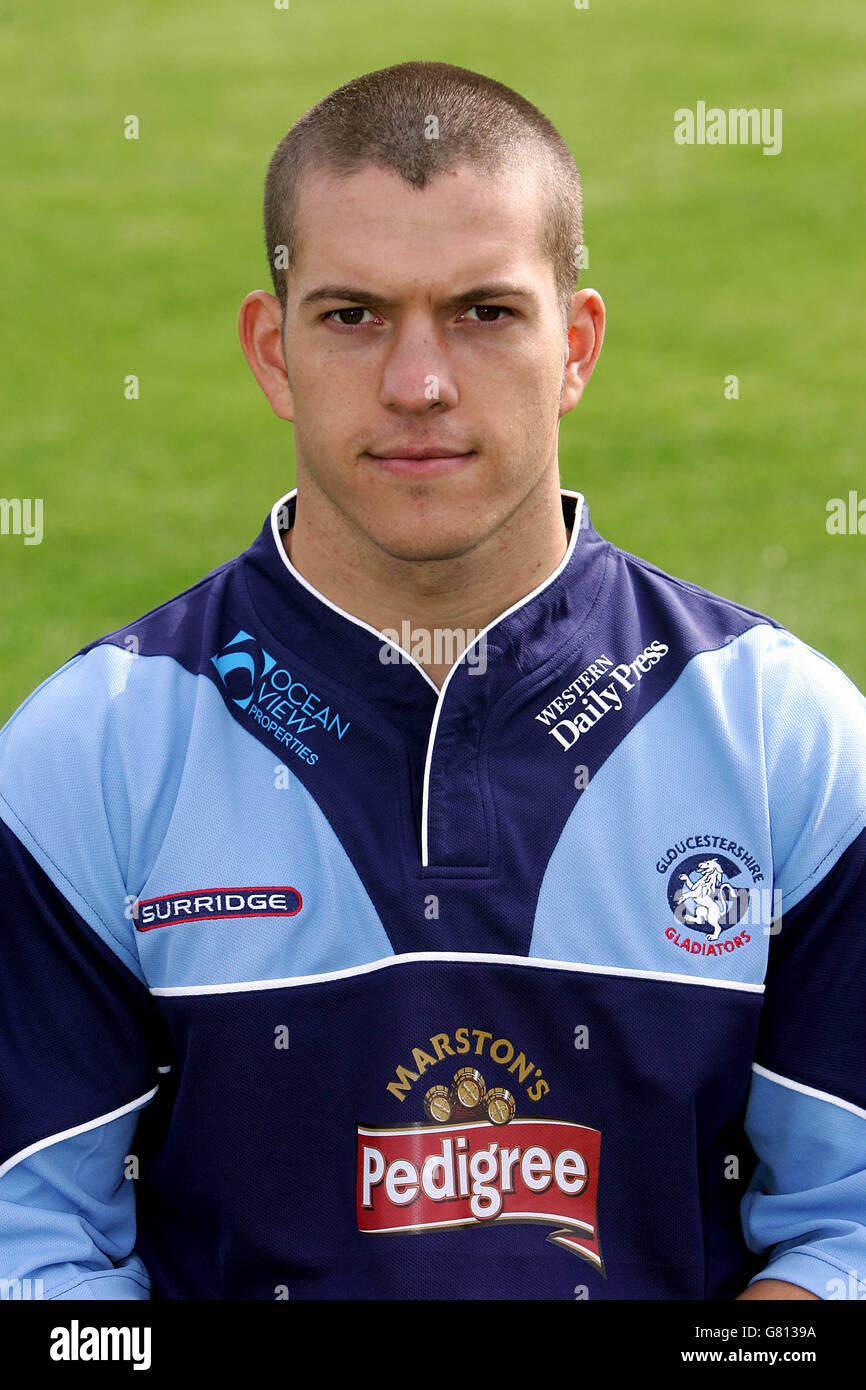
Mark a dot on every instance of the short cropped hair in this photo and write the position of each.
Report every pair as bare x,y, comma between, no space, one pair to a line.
386,118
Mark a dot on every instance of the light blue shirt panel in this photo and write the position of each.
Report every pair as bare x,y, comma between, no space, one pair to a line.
156,789
807,1198
688,768
761,742
89,769
814,721
67,1215
242,820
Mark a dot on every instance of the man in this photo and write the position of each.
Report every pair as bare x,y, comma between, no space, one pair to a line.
434,900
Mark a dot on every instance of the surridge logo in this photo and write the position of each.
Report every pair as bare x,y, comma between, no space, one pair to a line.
478,1164
210,904
281,704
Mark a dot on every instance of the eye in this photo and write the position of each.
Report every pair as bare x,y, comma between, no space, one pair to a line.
350,318
489,313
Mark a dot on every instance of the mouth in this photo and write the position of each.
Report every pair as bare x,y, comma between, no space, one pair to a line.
417,462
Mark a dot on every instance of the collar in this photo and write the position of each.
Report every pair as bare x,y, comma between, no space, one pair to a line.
303,620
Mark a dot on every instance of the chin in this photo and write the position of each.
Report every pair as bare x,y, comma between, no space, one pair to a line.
420,545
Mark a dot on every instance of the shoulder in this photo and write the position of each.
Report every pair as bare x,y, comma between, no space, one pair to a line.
784,661
691,605
806,716
813,723
101,683
102,740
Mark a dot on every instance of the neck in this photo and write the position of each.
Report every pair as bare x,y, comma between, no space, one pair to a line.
440,606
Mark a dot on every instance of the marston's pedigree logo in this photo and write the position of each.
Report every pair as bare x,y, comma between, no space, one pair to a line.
477,1164
269,694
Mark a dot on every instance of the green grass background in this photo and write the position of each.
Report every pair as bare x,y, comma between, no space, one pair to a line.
124,257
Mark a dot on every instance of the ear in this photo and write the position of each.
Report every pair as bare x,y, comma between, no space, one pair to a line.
586,316
260,330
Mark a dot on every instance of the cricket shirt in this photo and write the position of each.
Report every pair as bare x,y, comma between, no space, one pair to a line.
321,982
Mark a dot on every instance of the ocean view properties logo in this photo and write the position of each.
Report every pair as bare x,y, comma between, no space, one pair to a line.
274,698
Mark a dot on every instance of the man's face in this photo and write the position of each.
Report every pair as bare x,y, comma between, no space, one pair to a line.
418,323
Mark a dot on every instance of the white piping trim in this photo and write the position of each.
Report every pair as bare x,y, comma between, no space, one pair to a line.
470,957
76,1129
335,608
809,1090
425,801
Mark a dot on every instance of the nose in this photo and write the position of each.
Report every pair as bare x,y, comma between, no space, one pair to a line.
416,373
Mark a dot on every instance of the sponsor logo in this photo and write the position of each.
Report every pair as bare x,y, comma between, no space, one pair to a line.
285,707
478,1163
479,1043
707,895
208,904
601,699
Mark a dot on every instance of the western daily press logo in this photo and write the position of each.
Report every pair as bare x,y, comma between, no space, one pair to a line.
563,717
271,696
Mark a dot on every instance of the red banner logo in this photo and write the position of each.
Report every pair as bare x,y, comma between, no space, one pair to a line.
425,1177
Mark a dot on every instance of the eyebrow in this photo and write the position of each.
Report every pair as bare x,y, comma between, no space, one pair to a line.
471,296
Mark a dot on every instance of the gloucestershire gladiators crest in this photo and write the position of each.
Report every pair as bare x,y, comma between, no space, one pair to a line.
709,894
706,898
476,1162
